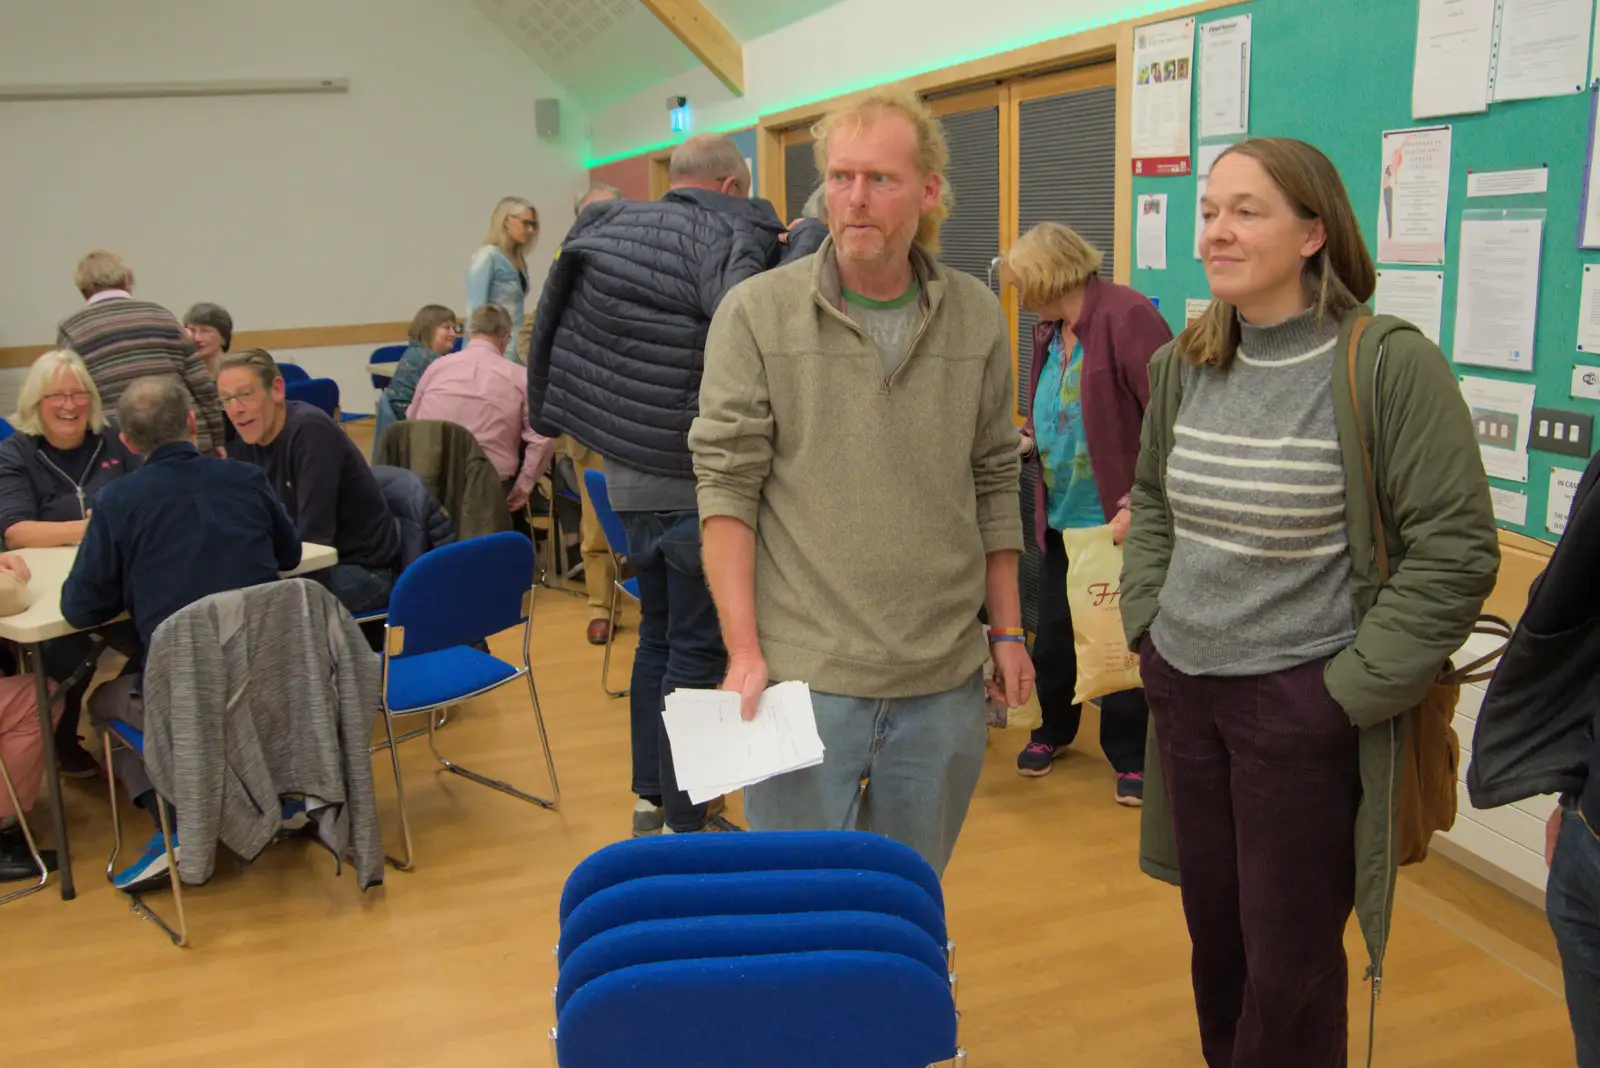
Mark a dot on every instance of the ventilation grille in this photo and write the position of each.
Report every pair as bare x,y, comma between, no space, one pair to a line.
554,29
970,238
1068,174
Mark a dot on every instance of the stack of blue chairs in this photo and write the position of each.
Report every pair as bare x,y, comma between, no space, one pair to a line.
816,947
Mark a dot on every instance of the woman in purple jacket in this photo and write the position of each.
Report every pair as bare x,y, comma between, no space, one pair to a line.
1088,386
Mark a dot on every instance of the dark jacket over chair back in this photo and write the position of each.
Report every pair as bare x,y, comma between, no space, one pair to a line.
423,522
453,467
618,343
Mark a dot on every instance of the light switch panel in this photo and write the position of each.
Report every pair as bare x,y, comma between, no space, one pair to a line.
1558,430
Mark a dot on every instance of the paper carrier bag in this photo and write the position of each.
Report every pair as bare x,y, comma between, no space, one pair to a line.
1094,594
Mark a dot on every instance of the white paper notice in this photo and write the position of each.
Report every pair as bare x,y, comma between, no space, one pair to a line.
1194,308
1501,414
1509,505
1225,77
1544,48
1563,490
1163,56
715,751
1414,195
1455,44
1497,292
1153,231
1591,193
1204,157
1508,183
1415,296
1589,311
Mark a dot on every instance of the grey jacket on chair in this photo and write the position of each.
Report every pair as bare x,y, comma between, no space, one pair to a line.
255,693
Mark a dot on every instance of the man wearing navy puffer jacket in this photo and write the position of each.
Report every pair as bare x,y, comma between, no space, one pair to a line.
615,359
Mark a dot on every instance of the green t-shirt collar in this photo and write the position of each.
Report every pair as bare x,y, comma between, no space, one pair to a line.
912,292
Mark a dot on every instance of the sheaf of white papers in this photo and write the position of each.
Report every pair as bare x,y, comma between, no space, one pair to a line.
715,751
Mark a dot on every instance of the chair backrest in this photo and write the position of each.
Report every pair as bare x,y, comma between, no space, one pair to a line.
668,897
462,593
707,854
6,429
744,936
792,1010
292,372
387,353
610,521
318,392
455,468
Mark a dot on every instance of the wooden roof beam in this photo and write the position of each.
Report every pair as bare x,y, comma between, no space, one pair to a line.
705,36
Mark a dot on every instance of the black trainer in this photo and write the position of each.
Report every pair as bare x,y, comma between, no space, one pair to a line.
1037,758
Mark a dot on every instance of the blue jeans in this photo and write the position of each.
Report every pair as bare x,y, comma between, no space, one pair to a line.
921,757
680,647
1572,902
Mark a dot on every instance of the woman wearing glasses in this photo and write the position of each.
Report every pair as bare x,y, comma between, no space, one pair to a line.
498,273
60,457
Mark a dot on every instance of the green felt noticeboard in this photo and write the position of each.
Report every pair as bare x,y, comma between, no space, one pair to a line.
1337,74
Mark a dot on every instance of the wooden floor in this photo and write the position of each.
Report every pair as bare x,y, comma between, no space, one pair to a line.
1068,955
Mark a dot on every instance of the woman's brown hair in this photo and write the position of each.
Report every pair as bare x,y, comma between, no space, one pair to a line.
1339,277
428,320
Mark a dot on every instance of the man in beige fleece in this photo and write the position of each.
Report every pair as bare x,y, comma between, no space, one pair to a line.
857,481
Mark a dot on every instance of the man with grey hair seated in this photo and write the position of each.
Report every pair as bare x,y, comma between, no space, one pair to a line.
614,362
182,527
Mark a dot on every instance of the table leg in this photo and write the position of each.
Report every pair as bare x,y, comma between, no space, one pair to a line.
52,772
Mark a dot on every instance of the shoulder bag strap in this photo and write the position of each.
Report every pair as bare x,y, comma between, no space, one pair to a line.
1380,547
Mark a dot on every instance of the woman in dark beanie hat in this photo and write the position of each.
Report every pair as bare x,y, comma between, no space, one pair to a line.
210,327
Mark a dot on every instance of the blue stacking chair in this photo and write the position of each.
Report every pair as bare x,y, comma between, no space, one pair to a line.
6,430
617,540
292,372
674,897
754,851
320,393
448,600
744,936
384,354
118,733
790,1010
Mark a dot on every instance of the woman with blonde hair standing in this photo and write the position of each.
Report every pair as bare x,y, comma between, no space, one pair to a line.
1282,643
1089,382
498,272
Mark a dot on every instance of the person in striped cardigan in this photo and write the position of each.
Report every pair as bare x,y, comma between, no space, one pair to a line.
122,339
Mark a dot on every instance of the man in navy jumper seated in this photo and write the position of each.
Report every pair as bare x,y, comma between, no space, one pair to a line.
318,473
181,528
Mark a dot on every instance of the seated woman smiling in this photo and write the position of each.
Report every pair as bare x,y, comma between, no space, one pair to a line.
61,456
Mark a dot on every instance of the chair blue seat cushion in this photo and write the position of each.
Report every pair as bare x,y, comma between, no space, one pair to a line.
432,679
132,737
631,587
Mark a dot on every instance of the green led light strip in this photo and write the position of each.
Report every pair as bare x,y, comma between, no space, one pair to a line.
1137,11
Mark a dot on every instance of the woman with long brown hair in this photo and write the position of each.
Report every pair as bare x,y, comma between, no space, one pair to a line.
1277,661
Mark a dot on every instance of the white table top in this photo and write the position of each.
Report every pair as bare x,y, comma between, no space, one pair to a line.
50,567
383,368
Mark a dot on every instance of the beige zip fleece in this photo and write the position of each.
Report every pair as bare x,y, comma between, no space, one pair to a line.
874,501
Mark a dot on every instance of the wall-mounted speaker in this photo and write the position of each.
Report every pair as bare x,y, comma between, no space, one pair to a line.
547,117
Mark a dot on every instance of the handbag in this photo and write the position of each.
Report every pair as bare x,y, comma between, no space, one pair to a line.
1432,754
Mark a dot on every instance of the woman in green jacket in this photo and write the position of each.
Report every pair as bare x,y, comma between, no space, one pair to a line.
1275,660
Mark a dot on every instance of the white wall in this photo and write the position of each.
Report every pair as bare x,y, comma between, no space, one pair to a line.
851,46
291,211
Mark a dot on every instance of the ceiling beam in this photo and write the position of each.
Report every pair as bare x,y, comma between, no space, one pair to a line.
702,34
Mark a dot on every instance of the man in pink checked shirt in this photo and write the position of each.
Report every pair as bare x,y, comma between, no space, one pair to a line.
483,391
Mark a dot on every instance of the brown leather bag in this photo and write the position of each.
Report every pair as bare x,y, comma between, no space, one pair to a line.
1432,757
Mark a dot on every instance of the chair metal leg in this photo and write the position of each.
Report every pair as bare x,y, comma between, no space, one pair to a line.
611,637
27,836
136,903
399,790
553,802
553,1059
